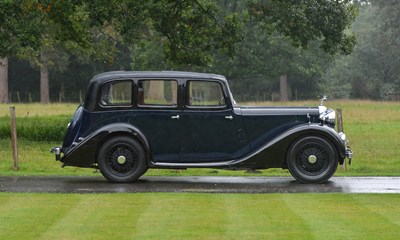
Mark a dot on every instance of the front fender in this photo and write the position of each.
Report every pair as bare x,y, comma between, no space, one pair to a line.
274,152
84,152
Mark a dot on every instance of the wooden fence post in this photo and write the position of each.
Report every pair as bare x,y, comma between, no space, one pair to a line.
14,141
339,120
340,129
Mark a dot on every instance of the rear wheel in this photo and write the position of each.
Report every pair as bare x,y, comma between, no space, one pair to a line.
122,159
312,160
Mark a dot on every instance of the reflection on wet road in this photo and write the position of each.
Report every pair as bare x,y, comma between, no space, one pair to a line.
199,185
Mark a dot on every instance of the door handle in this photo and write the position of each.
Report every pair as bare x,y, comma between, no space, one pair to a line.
229,117
175,117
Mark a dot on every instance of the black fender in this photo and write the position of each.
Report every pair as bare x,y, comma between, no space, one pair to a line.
273,153
84,153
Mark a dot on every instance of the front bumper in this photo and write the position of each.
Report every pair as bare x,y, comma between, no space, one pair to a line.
349,154
348,151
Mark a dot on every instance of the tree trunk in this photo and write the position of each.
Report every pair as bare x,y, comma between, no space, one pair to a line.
234,7
156,90
174,92
283,86
44,79
4,80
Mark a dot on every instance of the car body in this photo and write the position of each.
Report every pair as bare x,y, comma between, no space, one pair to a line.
132,121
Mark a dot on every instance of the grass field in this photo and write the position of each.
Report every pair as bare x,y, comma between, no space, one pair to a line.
37,109
199,216
373,129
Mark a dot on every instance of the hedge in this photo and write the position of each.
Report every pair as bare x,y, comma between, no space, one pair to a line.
43,128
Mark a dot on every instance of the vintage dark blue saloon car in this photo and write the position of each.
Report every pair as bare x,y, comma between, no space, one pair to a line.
132,121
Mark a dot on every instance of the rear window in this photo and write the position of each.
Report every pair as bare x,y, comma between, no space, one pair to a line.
116,93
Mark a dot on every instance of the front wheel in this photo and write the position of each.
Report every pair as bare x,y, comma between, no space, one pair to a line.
122,159
312,160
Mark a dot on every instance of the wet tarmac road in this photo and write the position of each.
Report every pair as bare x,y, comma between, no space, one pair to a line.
199,185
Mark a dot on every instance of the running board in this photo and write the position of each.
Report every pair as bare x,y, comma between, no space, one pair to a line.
193,165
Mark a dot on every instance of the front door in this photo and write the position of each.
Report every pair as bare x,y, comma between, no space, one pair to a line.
212,131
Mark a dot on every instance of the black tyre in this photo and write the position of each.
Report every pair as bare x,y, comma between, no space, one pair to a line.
312,160
122,159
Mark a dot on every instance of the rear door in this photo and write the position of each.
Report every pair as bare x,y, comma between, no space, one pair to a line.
157,117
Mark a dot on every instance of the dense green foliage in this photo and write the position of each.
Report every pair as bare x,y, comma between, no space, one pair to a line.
50,128
372,71
307,20
19,27
248,41
251,42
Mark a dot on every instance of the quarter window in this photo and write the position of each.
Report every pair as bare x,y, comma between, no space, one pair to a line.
116,93
158,92
205,94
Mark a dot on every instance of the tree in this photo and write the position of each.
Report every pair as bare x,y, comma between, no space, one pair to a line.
65,26
373,69
183,24
188,33
264,52
187,29
18,29
4,80
377,53
306,20
263,59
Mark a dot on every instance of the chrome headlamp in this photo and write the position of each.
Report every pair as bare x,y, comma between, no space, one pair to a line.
327,116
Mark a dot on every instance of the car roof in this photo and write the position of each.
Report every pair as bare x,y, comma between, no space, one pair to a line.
99,79
155,74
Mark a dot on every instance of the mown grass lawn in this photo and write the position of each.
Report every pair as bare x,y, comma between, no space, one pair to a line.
199,216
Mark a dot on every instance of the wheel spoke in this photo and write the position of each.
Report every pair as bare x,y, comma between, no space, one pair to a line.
317,165
129,156
122,159
312,159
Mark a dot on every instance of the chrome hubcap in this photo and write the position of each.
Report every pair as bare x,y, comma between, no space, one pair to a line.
121,159
312,159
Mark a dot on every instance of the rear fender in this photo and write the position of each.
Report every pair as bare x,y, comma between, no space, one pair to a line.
84,153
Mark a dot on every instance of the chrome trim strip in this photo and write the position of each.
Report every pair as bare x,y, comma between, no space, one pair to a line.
278,111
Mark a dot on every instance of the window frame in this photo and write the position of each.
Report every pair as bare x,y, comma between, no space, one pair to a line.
193,107
157,106
116,106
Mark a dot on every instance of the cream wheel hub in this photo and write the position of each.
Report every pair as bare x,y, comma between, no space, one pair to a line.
312,159
121,159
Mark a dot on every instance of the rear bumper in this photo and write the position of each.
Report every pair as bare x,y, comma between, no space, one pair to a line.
57,152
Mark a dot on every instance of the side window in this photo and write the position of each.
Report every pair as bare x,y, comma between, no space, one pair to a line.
116,93
158,92
205,94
